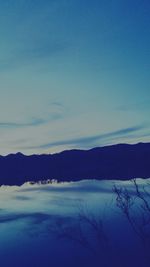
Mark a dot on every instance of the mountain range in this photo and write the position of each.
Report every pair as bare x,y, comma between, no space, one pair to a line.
122,161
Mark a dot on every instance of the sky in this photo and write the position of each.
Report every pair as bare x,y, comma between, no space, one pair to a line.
73,74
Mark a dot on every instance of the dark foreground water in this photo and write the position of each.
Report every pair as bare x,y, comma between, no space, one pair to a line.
76,224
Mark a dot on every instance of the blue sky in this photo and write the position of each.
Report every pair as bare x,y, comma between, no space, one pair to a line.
73,74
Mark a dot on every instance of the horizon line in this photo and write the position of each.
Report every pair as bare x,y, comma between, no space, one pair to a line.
74,149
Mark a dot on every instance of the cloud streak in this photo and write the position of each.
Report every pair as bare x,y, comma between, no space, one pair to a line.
93,140
34,122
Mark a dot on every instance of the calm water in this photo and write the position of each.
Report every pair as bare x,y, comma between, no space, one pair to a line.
76,224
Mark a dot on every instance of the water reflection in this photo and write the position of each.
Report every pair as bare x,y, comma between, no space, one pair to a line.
65,228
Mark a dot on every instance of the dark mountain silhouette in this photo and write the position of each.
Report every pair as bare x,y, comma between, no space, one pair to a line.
120,161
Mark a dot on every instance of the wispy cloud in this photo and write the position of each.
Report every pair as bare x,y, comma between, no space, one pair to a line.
57,104
55,111
93,140
34,122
